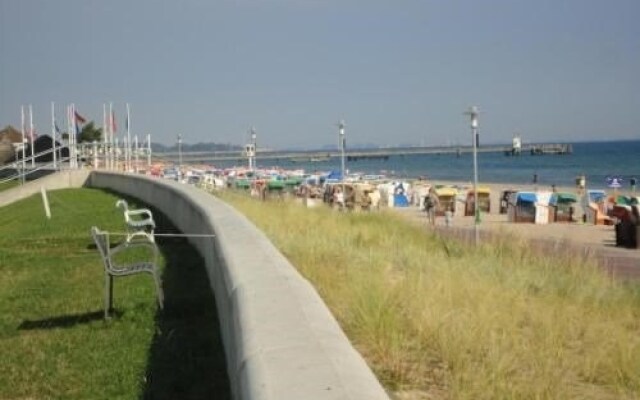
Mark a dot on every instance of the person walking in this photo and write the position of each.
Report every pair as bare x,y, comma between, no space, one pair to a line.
431,204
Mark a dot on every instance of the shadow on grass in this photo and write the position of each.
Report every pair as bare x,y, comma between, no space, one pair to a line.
186,359
66,321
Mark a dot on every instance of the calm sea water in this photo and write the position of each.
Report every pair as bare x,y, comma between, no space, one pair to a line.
596,160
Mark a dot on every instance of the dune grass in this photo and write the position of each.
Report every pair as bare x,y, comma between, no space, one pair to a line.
54,342
438,319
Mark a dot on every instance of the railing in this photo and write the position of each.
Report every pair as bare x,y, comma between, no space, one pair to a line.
97,154
27,166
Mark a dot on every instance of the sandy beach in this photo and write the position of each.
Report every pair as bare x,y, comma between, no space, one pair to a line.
599,239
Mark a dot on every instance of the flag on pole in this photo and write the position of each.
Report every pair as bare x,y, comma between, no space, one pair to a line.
80,118
114,128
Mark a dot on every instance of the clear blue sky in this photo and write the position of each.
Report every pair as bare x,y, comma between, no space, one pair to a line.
398,72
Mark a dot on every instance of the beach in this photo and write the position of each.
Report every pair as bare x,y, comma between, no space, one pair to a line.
596,239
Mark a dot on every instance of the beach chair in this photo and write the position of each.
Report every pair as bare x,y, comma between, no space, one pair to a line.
114,269
138,222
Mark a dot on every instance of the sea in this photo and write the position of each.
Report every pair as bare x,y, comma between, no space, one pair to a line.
599,162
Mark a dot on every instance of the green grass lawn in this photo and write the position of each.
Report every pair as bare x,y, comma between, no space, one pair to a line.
8,184
438,319
54,342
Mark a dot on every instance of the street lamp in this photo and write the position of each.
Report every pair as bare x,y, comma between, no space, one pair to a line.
255,148
341,126
180,152
473,115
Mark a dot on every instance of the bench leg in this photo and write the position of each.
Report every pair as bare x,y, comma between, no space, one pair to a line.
108,295
159,293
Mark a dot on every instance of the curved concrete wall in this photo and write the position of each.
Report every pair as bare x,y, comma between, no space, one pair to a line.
280,339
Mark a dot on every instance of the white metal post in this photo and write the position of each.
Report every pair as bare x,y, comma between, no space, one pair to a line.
53,134
33,159
180,153
24,144
116,155
95,155
135,140
255,148
128,150
148,151
341,126
105,142
112,156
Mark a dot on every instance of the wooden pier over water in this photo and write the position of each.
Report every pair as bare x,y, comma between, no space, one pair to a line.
364,154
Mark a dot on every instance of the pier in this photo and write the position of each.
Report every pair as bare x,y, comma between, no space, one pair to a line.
364,154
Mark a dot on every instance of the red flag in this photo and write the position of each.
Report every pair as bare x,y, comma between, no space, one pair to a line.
80,118
114,128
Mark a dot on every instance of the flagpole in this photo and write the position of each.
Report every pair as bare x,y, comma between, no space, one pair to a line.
128,139
53,133
111,147
69,133
73,137
116,159
135,152
148,152
33,159
24,143
104,134
73,162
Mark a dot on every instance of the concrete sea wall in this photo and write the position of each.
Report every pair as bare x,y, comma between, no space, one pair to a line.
280,339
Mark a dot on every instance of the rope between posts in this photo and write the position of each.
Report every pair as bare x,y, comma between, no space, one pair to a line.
163,234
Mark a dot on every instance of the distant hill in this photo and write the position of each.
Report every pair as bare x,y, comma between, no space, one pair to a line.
186,147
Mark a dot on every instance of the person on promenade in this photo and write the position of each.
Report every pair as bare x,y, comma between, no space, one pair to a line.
338,198
448,217
431,204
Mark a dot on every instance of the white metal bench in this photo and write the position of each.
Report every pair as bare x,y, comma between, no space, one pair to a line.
138,222
113,269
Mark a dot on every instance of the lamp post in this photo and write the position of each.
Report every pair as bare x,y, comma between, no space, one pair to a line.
180,153
473,115
255,147
341,126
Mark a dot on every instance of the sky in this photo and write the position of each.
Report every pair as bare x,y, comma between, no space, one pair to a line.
397,72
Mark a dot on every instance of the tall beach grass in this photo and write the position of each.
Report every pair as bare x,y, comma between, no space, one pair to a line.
439,319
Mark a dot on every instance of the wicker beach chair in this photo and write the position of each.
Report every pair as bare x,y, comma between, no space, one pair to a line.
114,269
138,222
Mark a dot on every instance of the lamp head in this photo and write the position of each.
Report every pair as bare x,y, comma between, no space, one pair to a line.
341,126
473,114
